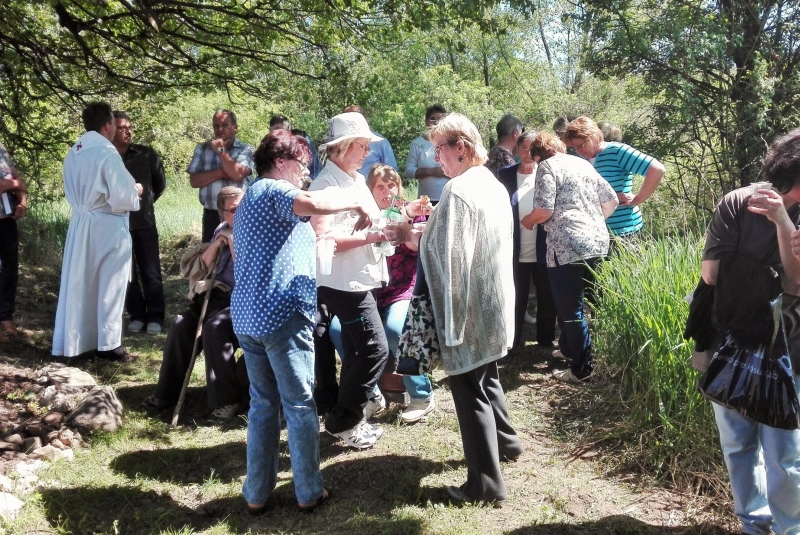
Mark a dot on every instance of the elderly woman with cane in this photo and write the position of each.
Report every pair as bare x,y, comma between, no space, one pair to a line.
274,307
226,377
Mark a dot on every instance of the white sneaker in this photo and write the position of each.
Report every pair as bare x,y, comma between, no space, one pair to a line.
225,413
375,406
360,437
417,410
153,328
375,430
135,326
557,354
530,320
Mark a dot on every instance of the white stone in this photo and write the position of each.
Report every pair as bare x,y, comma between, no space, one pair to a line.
9,505
71,376
25,468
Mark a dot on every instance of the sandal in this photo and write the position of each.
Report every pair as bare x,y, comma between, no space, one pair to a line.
310,508
9,328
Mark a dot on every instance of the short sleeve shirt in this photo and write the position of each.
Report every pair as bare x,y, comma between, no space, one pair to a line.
574,191
275,263
617,163
206,159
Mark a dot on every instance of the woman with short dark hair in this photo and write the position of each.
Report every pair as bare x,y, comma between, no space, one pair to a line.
763,462
421,163
572,201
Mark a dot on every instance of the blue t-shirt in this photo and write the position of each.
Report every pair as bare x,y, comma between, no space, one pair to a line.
275,266
617,163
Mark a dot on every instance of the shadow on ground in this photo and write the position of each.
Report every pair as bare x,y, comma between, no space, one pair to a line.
363,497
616,525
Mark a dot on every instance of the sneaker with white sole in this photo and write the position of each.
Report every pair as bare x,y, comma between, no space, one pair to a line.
360,437
375,406
566,376
135,326
153,328
225,413
417,410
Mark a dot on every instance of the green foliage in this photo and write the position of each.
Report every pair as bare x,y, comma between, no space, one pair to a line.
644,360
724,77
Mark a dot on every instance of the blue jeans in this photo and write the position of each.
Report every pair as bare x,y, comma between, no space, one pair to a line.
764,468
568,283
393,317
281,370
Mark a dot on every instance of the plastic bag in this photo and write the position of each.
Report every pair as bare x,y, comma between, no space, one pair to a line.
418,350
757,383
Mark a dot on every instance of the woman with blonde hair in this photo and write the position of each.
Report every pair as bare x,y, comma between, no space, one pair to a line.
466,251
394,298
358,268
617,163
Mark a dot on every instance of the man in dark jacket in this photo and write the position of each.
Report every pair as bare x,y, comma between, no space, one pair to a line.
145,297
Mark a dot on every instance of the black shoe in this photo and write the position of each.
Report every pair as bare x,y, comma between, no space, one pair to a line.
119,354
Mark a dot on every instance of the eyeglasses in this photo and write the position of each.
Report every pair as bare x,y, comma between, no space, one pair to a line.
301,162
438,148
365,148
585,141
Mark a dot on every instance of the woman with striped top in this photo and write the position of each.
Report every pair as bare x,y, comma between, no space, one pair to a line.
617,163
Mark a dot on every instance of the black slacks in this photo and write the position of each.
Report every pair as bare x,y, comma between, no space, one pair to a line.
366,351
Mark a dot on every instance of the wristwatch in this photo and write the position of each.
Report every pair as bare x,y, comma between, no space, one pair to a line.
220,150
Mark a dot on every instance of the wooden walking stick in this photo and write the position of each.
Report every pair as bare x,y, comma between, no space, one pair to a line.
197,335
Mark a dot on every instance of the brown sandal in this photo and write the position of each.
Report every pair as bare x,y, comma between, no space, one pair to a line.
311,507
9,328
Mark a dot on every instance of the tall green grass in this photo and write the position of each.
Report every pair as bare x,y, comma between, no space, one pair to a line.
645,364
44,230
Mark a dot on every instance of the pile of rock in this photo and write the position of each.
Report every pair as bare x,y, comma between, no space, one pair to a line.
75,404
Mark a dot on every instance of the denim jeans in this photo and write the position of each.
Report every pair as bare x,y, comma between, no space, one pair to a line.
281,370
764,469
393,317
568,283
145,298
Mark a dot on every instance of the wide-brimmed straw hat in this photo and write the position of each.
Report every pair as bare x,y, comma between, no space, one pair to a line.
350,125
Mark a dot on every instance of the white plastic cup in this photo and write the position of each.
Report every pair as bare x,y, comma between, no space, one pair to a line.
325,248
755,186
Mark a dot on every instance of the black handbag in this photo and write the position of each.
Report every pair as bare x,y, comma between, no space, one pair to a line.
755,382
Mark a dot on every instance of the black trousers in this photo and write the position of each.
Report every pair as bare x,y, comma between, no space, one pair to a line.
486,431
366,352
211,221
226,379
144,300
545,305
9,267
326,389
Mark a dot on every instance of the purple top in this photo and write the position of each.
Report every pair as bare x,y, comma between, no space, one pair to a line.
402,274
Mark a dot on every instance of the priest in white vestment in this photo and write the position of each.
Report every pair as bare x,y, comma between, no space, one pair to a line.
97,253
